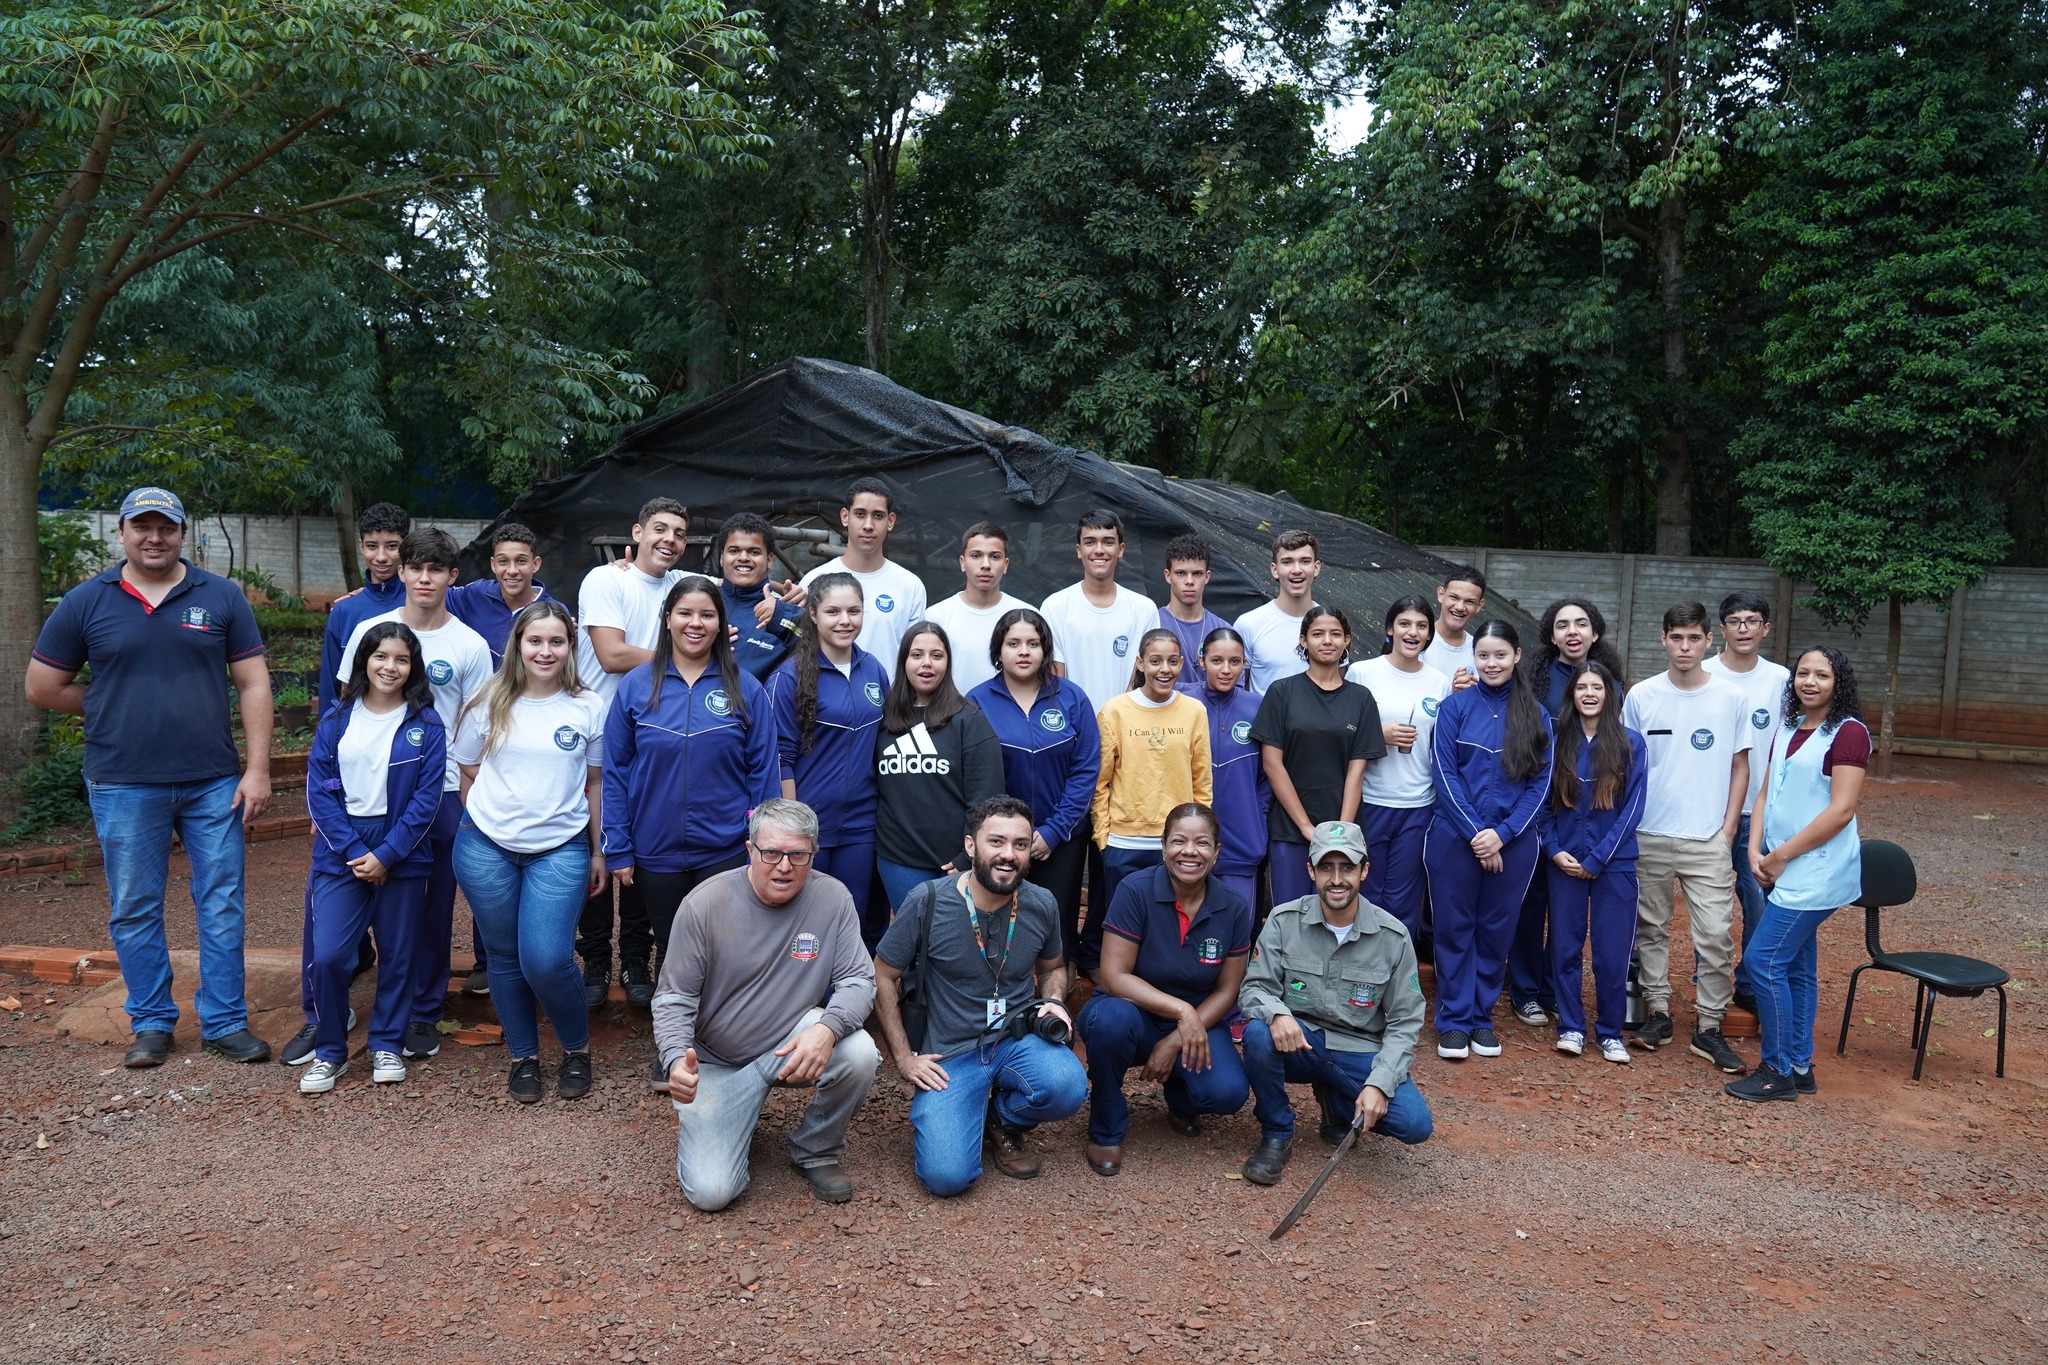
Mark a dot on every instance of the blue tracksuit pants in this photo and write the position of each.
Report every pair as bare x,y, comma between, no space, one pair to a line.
1476,912
1393,878
1529,954
1606,905
340,907
432,943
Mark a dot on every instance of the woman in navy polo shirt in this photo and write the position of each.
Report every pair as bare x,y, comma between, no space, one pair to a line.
689,750
1239,791
373,787
828,700
1051,754
1174,949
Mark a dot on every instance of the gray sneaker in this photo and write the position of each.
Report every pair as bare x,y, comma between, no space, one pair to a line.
319,1078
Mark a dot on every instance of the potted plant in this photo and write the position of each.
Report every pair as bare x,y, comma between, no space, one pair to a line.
294,707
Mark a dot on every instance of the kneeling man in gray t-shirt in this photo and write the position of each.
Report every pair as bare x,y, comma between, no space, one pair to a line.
766,983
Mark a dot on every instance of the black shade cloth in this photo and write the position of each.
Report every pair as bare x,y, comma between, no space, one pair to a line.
786,441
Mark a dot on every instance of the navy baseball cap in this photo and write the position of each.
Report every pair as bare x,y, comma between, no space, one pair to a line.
149,499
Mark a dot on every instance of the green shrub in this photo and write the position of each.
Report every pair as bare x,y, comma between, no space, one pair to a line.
277,620
256,582
53,790
67,552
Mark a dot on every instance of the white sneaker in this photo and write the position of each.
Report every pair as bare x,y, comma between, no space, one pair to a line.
321,1076
1614,1050
386,1068
1532,1014
1571,1042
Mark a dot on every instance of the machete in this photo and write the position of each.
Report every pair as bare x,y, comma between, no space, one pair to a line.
1315,1186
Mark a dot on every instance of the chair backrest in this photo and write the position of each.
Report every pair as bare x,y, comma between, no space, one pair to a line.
1888,876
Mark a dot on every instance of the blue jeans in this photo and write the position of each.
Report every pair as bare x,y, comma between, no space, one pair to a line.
898,879
1120,1036
1269,1070
527,905
134,821
1784,962
1032,1081
1749,896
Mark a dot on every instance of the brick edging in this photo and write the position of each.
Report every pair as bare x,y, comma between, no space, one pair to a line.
86,853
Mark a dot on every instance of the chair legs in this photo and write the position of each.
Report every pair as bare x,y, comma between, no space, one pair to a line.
1849,1007
2001,1031
1919,1010
1923,1027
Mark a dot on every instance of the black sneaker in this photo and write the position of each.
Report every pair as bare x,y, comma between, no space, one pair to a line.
639,983
478,982
1653,1033
1761,1085
239,1046
1803,1081
298,1049
524,1083
1709,1043
572,1082
1485,1043
1454,1046
1263,1167
421,1040
1744,1001
597,983
150,1048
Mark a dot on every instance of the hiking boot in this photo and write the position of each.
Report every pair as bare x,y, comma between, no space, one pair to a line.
1709,1043
829,1184
1264,1166
1007,1150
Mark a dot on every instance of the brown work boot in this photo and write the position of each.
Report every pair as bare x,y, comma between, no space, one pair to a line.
1007,1150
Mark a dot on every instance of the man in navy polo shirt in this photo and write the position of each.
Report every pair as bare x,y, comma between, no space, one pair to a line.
163,637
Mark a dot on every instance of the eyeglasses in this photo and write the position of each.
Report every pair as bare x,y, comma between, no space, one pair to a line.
1742,623
794,858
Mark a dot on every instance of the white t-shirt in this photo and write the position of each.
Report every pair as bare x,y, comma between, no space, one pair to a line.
969,629
528,794
1763,689
458,666
891,598
1272,643
1099,645
1401,781
629,602
1447,658
1692,738
364,757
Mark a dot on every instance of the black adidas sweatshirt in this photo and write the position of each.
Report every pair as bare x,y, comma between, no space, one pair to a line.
924,782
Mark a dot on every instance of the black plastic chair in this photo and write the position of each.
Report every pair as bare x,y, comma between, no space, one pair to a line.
1889,880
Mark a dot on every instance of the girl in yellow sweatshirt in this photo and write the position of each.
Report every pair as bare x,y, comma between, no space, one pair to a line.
1155,756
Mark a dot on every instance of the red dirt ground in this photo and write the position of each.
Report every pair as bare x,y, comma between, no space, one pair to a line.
1565,1210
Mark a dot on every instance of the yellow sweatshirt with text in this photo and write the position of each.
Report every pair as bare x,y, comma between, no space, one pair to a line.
1153,759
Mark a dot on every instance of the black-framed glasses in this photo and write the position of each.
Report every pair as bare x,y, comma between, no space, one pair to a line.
794,857
1743,623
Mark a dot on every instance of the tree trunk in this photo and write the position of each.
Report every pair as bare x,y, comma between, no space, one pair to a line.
21,590
878,202
345,535
1891,689
1674,478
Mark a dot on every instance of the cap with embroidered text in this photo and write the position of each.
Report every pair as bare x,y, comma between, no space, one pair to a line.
1337,836
151,499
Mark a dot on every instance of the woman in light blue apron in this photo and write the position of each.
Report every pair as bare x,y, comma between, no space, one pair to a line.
1808,856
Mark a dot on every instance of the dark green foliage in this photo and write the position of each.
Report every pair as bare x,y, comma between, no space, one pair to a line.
52,787
68,552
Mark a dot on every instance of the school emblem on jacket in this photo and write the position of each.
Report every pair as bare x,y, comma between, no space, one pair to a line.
1122,645
874,691
804,947
884,602
566,738
1364,994
416,735
1703,739
717,703
1761,718
1053,719
1242,732
1430,704
196,618
440,672
1209,951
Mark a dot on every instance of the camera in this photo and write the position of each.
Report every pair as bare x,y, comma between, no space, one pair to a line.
1036,1019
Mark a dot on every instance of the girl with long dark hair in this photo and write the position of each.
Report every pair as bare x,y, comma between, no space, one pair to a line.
1492,753
531,749
1052,752
689,749
1242,797
1588,827
1397,795
1807,854
827,698
1155,756
373,787
935,755
1316,732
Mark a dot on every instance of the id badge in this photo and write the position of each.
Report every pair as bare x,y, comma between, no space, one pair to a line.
997,1008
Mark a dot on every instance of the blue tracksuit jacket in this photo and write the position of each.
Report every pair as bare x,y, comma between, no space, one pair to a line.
681,775
837,777
412,795
759,648
1050,756
1242,796
1472,792
376,599
1599,839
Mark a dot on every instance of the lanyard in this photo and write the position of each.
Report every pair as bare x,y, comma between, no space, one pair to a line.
974,922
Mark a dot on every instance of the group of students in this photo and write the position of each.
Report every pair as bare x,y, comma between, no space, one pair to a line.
559,770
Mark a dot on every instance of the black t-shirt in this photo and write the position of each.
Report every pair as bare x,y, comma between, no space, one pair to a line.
1318,734
958,979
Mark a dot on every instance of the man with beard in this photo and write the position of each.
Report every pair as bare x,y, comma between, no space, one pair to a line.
992,965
